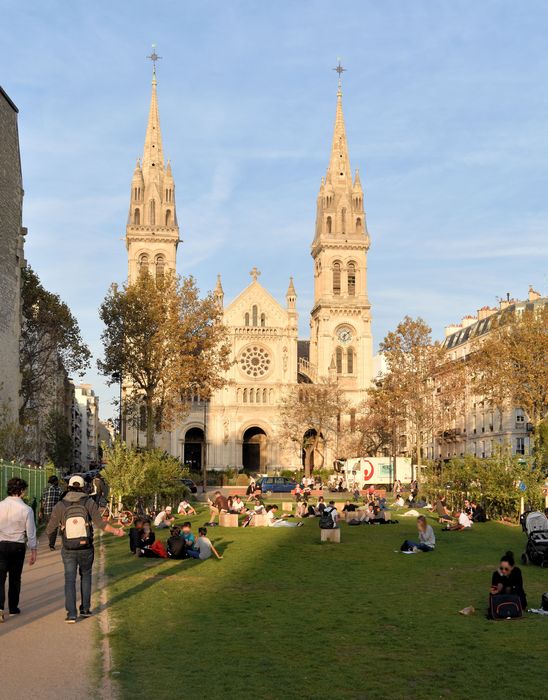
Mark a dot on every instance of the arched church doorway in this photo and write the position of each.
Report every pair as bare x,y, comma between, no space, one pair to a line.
193,449
254,449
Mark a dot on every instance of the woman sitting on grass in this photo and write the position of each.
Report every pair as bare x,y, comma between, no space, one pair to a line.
508,579
203,547
273,521
427,538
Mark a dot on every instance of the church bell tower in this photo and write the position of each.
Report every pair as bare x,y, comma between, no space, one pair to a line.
340,324
152,232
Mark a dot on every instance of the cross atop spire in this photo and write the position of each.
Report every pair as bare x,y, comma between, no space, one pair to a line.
154,57
340,70
255,274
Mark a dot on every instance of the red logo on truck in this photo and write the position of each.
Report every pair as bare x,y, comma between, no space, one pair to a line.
368,472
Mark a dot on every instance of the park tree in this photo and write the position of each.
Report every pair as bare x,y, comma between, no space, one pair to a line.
413,362
166,342
509,367
14,438
58,440
310,419
50,336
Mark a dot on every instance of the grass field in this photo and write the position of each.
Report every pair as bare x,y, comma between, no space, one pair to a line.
282,616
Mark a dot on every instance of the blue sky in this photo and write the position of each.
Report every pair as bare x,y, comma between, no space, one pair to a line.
446,107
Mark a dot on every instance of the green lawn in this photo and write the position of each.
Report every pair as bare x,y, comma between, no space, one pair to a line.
282,616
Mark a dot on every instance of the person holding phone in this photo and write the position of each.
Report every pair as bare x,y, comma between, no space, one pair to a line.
508,579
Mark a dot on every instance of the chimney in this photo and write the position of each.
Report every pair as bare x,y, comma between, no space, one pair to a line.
484,312
533,294
453,328
468,321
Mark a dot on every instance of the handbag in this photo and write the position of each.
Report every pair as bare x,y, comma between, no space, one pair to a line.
505,607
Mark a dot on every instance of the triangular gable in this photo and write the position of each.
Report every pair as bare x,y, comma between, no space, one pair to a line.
255,293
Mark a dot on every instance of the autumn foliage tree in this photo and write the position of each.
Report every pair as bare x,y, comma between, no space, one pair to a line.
167,342
509,366
310,419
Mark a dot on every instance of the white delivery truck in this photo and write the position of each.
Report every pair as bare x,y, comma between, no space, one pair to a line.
363,472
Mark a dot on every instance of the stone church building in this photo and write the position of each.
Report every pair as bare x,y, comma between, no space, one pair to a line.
238,426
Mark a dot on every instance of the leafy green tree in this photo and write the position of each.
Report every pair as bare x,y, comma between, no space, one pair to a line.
59,444
166,342
15,442
50,334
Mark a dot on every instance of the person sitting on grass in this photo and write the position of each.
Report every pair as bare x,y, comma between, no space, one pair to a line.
176,546
146,540
399,502
320,506
302,510
164,519
349,507
463,522
427,538
217,506
188,535
273,521
478,514
508,579
444,514
135,534
185,508
204,547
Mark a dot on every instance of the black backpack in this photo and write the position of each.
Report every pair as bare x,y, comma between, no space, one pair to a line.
76,529
505,607
544,603
176,547
326,520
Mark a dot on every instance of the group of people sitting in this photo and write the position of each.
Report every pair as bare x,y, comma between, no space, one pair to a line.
462,519
182,544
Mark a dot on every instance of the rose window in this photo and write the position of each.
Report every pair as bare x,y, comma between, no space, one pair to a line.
255,361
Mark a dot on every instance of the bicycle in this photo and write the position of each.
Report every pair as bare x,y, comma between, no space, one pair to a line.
124,517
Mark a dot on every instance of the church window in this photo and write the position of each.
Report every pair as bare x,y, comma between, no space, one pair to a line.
336,278
255,361
263,320
339,360
265,396
350,361
160,266
251,396
258,396
343,221
168,217
246,319
137,217
245,395
351,279
255,314
152,212
143,263
358,225
328,224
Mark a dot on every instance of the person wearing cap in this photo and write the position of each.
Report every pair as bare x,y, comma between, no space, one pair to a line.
17,531
164,519
75,560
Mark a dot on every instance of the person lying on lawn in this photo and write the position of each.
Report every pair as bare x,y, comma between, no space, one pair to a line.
427,538
185,508
274,521
463,522
204,547
508,579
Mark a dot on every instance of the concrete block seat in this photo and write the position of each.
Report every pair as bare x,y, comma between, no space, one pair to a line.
228,520
333,535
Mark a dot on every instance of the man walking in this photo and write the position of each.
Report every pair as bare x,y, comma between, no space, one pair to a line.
50,498
76,514
17,529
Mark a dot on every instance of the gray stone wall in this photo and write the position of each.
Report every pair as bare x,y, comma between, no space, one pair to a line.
11,254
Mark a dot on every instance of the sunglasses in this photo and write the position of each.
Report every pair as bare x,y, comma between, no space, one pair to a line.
504,568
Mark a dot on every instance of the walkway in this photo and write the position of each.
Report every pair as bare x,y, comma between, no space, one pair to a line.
43,657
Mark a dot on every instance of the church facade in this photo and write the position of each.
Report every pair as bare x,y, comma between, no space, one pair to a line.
237,427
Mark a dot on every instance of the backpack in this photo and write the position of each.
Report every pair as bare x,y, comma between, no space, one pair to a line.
544,602
326,521
76,527
505,607
176,547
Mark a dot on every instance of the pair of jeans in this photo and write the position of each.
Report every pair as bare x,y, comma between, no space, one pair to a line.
12,558
77,561
419,545
53,537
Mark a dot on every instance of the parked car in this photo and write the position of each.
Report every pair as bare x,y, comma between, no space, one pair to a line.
190,485
276,484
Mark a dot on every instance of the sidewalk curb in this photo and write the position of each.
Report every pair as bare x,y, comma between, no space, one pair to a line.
108,689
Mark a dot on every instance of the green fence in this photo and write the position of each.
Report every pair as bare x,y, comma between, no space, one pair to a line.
35,478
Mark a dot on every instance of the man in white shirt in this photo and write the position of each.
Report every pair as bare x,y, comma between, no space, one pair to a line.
185,508
164,519
17,529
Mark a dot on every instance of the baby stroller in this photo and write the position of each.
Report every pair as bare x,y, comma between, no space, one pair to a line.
536,550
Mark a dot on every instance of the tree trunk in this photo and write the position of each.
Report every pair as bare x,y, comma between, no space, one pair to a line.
150,423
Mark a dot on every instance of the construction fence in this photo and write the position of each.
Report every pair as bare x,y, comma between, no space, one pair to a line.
36,479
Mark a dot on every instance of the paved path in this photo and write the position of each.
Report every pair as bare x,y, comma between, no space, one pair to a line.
41,656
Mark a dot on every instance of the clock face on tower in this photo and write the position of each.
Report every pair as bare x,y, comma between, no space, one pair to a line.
344,335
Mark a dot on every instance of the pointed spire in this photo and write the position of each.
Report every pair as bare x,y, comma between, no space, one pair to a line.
153,155
219,291
168,169
291,289
357,181
339,164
